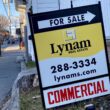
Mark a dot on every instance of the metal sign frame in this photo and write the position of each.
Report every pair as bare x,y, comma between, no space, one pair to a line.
34,18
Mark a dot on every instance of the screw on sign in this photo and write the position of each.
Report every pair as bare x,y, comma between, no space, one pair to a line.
90,107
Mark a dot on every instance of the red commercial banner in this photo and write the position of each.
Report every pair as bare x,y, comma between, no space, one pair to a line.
76,92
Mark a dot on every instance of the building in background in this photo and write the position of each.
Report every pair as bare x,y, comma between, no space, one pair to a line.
39,6
15,24
21,8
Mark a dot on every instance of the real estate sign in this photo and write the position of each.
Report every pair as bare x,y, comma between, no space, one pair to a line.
71,55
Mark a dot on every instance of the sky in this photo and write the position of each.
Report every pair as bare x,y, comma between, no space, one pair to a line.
13,11
13,14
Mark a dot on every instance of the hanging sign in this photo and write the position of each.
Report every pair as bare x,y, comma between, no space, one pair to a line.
71,55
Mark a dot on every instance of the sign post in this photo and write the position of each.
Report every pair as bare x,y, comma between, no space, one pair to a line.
71,55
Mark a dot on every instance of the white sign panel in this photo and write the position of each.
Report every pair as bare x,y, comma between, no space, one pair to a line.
76,92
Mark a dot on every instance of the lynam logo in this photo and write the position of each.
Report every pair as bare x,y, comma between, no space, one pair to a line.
70,47
70,35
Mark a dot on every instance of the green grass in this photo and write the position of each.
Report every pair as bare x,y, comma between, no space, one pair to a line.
30,64
28,103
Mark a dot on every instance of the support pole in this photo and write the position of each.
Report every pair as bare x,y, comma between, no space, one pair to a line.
9,16
71,4
59,4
